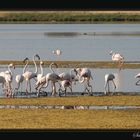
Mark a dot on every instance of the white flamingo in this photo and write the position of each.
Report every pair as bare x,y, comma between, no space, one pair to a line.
68,76
116,57
84,75
53,77
20,78
11,65
40,75
31,75
137,76
66,81
8,76
57,52
109,77
64,85
3,82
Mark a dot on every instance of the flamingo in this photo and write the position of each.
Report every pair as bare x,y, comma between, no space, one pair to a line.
137,76
53,77
109,77
57,52
68,76
40,75
9,70
116,57
30,75
85,74
20,78
65,84
8,76
2,81
66,81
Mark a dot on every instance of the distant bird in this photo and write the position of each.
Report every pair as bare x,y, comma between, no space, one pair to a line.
116,57
57,52
137,76
109,77
84,75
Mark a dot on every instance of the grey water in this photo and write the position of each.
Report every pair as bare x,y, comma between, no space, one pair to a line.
90,107
125,80
18,41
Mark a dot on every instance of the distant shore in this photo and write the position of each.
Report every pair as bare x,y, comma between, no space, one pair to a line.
74,64
69,17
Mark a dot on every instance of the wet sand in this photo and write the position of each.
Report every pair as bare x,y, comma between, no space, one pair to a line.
74,100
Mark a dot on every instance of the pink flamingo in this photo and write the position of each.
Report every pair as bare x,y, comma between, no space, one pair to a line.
19,77
116,57
8,76
53,77
109,77
66,81
31,75
84,75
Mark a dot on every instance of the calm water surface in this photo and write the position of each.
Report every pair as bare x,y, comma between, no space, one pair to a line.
124,80
18,41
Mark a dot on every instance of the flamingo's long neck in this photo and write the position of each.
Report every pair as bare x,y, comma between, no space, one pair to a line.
41,68
36,69
113,54
51,68
79,76
24,69
9,69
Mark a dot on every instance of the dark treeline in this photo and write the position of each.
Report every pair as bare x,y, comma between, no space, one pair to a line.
57,17
70,5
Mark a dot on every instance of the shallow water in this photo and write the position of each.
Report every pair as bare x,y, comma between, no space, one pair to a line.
124,80
18,41
90,107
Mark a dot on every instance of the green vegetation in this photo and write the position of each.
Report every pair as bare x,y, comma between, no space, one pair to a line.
75,64
68,17
70,118
79,100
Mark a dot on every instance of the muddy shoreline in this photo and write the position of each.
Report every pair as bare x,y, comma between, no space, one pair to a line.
71,64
